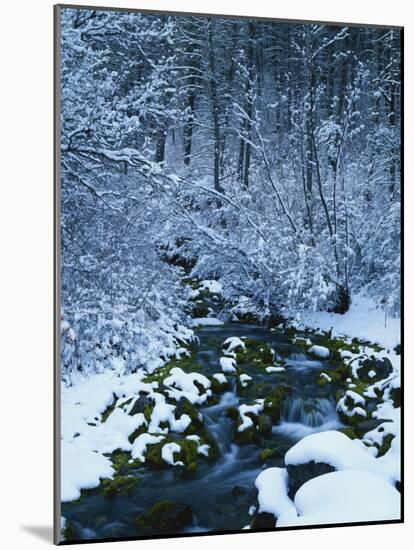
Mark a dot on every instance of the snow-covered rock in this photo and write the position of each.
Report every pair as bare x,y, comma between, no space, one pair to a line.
335,449
228,364
233,343
168,451
344,496
139,447
319,352
181,384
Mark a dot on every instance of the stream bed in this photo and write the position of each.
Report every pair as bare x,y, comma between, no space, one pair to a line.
220,493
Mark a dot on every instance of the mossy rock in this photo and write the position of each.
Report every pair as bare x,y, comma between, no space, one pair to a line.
219,387
336,345
121,462
119,485
350,432
352,420
247,436
261,356
166,517
381,367
69,532
232,413
264,424
263,520
270,454
273,403
109,409
184,406
187,363
395,395
385,445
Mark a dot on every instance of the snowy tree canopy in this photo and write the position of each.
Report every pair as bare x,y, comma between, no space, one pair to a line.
262,155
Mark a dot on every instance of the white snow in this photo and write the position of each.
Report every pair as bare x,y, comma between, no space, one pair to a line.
272,485
345,496
164,413
233,343
181,384
219,376
244,410
274,369
208,321
228,364
336,449
326,376
319,351
202,449
167,454
215,287
81,469
244,380
363,320
139,447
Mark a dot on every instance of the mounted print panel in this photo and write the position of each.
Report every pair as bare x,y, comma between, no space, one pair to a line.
228,308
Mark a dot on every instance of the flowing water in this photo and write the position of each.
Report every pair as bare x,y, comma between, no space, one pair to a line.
222,492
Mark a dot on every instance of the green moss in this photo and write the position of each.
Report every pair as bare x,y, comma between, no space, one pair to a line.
69,532
350,432
246,437
385,445
232,413
218,387
336,345
269,454
186,363
109,409
120,462
273,403
119,485
258,354
165,516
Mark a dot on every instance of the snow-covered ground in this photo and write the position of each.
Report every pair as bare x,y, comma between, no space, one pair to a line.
364,320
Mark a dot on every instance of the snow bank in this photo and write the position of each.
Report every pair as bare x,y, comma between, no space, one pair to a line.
81,469
363,320
208,321
272,485
336,449
346,496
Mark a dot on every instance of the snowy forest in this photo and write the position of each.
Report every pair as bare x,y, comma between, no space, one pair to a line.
230,273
